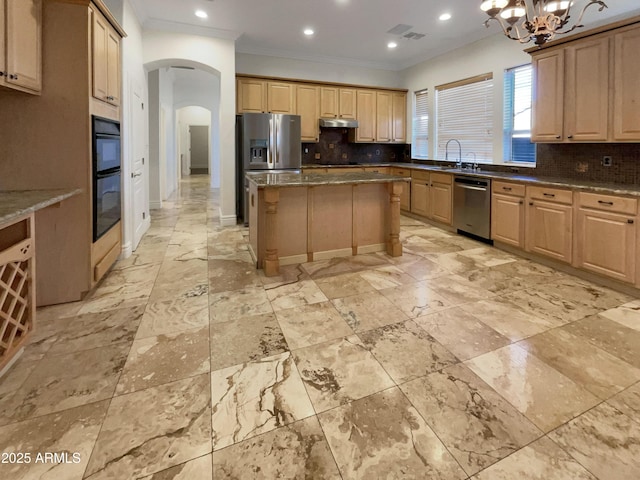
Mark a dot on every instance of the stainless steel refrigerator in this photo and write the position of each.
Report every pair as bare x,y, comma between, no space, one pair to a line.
264,141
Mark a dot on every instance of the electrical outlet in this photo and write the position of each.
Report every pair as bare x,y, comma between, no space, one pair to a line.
306,150
607,161
377,152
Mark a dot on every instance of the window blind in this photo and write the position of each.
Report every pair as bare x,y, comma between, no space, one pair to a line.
420,135
517,115
464,112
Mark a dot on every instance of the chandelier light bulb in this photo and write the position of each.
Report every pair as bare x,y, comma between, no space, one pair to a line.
557,7
513,14
493,7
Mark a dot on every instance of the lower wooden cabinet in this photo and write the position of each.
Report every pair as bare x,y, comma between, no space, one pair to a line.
420,197
549,230
441,198
507,219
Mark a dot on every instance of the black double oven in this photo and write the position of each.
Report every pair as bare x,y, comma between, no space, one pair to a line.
107,163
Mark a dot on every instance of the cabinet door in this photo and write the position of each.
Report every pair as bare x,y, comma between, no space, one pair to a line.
2,43
405,196
548,97
113,67
587,90
328,102
281,97
23,43
606,244
383,116
307,103
420,197
100,62
252,96
399,118
347,103
366,109
549,230
507,219
626,93
441,202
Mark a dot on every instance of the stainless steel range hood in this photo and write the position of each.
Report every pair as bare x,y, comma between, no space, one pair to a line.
338,123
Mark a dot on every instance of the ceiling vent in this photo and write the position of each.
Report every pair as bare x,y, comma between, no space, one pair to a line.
400,29
413,36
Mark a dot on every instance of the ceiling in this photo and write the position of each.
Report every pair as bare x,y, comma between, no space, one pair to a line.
346,31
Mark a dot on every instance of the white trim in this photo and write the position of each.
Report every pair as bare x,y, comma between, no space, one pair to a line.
178,27
155,205
227,220
126,251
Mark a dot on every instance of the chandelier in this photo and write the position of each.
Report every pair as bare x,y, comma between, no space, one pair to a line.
537,20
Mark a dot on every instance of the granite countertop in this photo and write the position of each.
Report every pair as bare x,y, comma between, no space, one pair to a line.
314,179
16,203
585,185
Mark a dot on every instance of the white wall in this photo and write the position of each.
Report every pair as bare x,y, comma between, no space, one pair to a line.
325,72
218,57
188,116
493,54
168,157
155,197
133,80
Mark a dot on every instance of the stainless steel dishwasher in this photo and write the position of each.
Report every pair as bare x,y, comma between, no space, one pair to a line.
472,205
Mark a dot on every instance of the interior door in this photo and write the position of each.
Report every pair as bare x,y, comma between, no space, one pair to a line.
199,149
138,169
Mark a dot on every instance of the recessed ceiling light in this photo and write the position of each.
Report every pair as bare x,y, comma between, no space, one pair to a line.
445,16
201,14
392,44
308,32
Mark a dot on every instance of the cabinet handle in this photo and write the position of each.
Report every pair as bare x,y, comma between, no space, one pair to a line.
630,221
601,202
508,189
570,136
550,195
531,204
558,137
521,202
13,77
3,74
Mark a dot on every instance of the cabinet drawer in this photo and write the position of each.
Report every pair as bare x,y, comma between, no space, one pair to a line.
608,203
516,189
383,170
420,175
441,178
551,194
400,172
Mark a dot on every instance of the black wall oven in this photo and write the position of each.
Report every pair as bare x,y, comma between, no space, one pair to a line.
107,189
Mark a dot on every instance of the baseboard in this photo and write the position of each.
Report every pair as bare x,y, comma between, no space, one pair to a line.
228,220
155,205
126,251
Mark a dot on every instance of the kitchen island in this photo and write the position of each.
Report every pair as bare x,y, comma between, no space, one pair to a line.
297,218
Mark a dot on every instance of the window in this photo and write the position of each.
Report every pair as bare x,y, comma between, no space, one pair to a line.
464,112
517,115
420,141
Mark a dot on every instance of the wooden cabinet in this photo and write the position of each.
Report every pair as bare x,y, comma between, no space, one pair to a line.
308,107
347,103
107,68
405,197
586,95
251,95
575,96
384,112
399,118
420,197
626,92
548,97
606,233
281,98
507,213
21,45
366,116
441,197
549,223
337,102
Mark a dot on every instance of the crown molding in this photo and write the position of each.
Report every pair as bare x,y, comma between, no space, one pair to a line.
178,27
309,57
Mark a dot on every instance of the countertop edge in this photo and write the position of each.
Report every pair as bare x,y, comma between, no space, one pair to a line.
323,180
45,199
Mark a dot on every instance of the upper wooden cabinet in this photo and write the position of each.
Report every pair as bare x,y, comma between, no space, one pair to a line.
626,90
308,107
366,116
347,103
107,69
21,45
575,96
399,117
251,95
384,122
337,102
281,98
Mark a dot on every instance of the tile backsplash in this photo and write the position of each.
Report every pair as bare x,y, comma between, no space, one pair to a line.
334,148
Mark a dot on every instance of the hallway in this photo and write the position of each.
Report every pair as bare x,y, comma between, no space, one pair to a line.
454,361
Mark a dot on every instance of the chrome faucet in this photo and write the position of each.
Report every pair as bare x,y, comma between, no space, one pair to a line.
446,152
474,166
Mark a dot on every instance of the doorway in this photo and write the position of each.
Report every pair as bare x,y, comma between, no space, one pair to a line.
199,149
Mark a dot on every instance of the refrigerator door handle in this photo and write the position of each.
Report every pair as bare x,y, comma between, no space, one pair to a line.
276,143
269,150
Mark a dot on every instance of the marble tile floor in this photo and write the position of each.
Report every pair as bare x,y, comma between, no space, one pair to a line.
454,361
